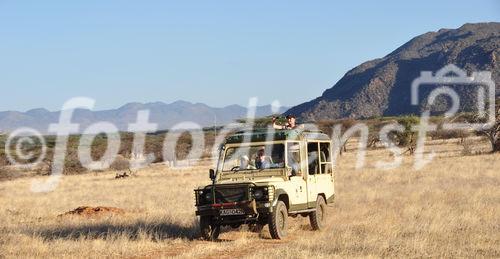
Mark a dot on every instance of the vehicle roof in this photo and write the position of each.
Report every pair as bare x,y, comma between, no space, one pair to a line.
263,135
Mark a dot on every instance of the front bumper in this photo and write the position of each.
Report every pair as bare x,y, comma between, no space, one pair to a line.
250,208
253,212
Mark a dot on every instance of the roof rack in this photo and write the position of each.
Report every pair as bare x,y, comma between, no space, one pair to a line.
308,128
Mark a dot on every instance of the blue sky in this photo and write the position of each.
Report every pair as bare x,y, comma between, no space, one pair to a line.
215,52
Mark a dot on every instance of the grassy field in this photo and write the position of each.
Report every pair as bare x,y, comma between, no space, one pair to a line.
451,208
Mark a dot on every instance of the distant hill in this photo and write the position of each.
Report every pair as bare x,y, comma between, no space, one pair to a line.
382,86
165,115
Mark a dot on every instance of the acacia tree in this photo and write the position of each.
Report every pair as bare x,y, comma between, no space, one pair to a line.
493,132
345,125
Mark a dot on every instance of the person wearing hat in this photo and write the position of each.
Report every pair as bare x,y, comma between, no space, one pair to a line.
245,163
291,123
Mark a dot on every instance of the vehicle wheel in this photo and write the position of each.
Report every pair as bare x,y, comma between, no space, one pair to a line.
278,221
209,230
256,228
318,217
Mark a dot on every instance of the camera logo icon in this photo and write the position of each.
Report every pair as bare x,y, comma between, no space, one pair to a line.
452,75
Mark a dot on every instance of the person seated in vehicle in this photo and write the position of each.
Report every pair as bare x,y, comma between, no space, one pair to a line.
290,124
245,163
313,162
261,160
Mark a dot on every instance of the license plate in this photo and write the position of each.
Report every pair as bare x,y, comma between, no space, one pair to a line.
231,212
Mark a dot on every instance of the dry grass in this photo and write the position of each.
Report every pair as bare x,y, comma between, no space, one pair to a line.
451,208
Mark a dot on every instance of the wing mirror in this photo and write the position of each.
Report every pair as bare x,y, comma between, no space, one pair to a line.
211,174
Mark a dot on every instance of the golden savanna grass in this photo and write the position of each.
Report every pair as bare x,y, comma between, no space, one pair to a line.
451,208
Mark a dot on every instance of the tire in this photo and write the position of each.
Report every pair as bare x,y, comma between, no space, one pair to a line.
278,222
209,230
318,217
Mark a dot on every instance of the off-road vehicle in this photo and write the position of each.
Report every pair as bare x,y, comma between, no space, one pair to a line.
262,178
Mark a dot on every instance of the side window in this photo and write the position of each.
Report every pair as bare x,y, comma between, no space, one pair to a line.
293,154
325,159
313,158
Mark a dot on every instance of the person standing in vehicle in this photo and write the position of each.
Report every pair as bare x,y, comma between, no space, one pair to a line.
291,123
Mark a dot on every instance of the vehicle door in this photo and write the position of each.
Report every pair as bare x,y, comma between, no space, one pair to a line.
297,174
313,169
324,179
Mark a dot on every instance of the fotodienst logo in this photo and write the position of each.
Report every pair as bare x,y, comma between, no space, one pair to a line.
438,84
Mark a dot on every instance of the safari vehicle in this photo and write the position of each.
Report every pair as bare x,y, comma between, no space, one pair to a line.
262,178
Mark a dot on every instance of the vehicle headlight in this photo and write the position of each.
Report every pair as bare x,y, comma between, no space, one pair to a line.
258,194
208,196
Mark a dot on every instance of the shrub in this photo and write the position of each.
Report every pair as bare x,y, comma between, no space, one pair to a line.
449,134
120,163
407,137
467,147
72,163
3,159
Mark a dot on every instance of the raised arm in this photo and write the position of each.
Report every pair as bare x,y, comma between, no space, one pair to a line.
276,126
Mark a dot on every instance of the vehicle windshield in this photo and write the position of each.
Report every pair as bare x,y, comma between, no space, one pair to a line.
255,157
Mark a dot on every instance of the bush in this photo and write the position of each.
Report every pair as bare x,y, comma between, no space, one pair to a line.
406,138
449,134
72,164
120,163
467,147
3,159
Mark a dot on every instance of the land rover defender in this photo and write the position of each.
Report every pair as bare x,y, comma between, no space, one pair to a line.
263,177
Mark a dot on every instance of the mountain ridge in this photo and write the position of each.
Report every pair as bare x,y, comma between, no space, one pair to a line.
166,115
381,87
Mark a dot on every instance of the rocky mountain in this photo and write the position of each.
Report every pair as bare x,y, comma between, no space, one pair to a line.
165,115
381,87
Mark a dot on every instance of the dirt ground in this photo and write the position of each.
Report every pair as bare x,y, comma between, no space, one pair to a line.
450,208
87,211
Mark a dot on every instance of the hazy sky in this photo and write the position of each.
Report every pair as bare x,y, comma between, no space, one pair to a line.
215,52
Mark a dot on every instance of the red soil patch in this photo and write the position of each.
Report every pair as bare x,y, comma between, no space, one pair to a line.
86,211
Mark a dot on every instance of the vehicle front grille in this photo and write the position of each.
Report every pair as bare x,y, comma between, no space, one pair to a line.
231,194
